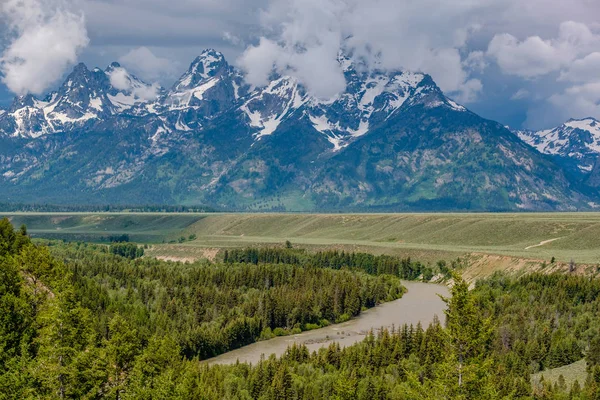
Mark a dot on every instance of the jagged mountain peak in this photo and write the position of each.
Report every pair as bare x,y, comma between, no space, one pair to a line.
80,68
209,64
576,143
211,86
85,95
589,124
372,96
19,102
390,140
113,65
208,87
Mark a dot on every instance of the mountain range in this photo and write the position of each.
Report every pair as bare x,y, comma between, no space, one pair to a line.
392,141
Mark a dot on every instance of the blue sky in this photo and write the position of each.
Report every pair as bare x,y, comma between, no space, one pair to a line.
524,63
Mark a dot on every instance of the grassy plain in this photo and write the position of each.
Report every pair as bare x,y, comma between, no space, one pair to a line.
574,372
498,237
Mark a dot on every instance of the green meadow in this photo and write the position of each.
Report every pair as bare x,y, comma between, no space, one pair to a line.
538,236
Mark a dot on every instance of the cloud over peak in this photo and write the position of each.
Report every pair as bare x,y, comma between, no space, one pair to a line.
544,53
303,38
45,38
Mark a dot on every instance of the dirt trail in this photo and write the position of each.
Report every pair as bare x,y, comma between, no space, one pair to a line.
542,243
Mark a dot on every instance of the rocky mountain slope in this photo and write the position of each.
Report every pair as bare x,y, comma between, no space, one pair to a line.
391,141
575,145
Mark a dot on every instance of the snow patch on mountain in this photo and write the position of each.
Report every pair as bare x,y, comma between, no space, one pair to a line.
267,108
322,125
577,139
178,100
455,106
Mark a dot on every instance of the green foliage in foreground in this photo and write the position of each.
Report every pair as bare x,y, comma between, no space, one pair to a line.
101,326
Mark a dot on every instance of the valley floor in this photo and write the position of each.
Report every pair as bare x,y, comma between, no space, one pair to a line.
488,242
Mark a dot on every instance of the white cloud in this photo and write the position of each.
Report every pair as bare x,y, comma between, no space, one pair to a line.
583,70
307,40
580,101
147,65
573,55
520,94
45,38
121,79
233,39
145,93
476,62
535,56
303,38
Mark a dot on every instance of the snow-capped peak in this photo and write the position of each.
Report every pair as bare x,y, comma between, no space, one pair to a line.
208,87
21,102
84,96
371,97
211,87
589,124
210,64
576,139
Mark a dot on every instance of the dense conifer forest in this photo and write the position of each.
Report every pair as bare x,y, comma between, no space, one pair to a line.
83,321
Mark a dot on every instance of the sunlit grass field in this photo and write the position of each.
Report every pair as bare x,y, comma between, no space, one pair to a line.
571,373
541,236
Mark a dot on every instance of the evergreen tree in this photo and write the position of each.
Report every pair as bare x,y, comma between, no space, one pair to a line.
469,335
122,347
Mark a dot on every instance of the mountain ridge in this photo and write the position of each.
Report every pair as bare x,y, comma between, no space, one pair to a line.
575,145
391,141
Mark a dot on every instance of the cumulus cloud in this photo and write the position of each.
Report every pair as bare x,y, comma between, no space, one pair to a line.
146,93
573,57
306,40
582,98
535,56
579,101
121,79
233,39
45,38
476,62
583,70
303,38
147,65
505,45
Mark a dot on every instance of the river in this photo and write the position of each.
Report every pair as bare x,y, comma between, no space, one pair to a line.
420,304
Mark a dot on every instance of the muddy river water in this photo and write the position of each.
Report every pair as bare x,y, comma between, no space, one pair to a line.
420,304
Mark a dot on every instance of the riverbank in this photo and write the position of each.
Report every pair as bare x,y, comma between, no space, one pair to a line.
420,304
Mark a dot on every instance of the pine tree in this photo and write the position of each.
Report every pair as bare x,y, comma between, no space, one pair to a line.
66,331
469,334
593,353
122,347
281,388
